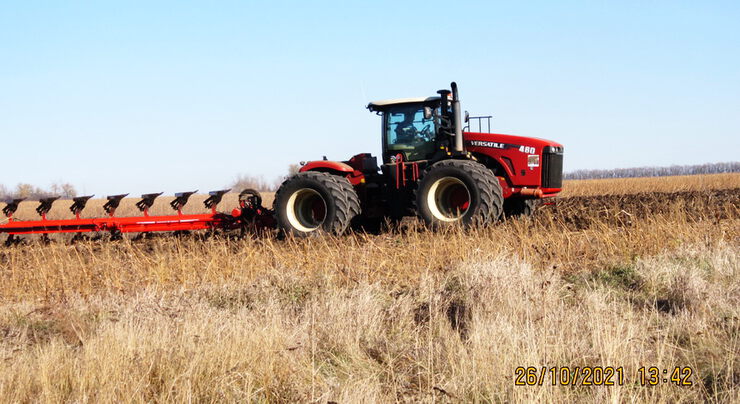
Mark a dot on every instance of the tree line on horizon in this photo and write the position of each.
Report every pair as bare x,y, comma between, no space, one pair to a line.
697,169
31,192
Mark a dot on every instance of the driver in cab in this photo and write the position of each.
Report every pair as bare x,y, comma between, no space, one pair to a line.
405,130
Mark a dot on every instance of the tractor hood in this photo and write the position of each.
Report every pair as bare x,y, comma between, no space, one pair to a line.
501,141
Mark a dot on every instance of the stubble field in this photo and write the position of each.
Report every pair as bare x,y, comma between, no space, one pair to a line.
624,273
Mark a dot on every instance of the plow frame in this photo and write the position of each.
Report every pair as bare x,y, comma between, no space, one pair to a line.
250,215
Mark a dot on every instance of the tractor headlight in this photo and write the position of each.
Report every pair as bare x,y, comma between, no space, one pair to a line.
553,149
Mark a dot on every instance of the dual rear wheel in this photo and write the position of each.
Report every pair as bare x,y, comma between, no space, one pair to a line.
316,202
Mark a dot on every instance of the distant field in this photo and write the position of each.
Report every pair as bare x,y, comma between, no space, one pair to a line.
650,184
627,273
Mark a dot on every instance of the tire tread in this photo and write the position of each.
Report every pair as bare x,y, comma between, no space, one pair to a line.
345,198
491,194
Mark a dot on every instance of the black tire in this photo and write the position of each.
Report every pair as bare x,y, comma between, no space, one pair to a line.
516,207
315,202
458,191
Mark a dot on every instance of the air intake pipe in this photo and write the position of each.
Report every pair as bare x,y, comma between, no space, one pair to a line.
458,118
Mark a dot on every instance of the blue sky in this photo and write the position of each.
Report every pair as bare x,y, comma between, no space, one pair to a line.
171,96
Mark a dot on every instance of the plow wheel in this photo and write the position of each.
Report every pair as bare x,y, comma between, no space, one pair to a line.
315,202
458,191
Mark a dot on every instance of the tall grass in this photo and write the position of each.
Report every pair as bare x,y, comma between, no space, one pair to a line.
455,335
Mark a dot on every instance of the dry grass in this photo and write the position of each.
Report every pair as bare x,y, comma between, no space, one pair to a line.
622,280
456,336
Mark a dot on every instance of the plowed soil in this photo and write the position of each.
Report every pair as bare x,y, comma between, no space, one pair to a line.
583,212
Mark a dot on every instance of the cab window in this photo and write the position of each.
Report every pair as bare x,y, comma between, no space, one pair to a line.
407,126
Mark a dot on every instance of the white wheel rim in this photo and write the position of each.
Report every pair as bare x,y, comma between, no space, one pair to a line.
444,199
306,210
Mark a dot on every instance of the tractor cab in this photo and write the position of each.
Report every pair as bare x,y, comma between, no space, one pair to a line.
410,128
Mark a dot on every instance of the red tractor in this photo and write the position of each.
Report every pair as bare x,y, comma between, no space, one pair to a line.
431,167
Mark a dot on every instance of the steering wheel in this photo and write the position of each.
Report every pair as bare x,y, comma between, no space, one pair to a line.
425,133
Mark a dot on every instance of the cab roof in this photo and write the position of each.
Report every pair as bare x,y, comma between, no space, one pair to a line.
384,104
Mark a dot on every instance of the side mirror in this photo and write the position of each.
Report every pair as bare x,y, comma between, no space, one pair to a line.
467,116
427,112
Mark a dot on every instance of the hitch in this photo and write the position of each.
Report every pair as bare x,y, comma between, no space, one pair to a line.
250,198
253,215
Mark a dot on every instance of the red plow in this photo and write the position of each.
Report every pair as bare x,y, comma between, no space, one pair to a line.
249,216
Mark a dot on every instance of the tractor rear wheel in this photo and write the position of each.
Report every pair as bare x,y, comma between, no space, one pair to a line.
315,202
458,191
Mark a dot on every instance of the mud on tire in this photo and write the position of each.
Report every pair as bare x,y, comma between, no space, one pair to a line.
458,191
315,202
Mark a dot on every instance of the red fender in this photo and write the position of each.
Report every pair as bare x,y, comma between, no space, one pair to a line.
355,177
324,165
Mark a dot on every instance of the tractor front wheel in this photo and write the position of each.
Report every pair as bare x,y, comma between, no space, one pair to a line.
458,191
315,202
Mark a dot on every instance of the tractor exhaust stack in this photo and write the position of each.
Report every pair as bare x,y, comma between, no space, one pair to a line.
458,118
